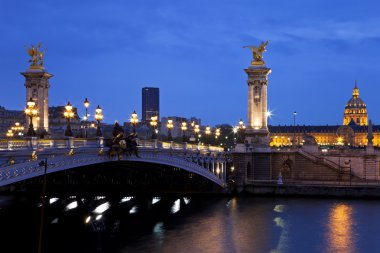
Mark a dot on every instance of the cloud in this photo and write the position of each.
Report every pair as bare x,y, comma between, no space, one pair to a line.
350,31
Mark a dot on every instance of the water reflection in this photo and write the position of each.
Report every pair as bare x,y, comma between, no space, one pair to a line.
199,225
340,237
176,206
102,208
283,241
155,200
134,209
72,205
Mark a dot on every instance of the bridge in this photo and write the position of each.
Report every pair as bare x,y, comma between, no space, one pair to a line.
20,159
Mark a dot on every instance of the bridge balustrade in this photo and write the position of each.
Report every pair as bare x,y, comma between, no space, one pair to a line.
19,158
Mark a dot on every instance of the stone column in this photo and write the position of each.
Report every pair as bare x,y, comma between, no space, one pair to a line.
257,126
37,86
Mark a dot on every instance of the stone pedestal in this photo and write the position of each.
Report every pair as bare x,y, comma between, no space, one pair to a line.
370,149
70,142
100,142
240,147
33,143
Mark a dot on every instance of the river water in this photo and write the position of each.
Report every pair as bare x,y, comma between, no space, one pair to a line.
190,224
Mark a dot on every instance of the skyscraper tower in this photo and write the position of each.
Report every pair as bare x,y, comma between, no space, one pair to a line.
37,88
150,103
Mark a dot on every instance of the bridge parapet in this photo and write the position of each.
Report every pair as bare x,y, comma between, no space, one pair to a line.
19,158
35,144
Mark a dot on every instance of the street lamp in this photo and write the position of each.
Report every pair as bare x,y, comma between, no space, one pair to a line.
153,124
183,128
170,126
10,133
98,118
134,120
85,118
68,115
294,128
31,111
217,133
196,131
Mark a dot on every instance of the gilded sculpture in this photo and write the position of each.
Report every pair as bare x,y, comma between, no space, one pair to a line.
36,55
257,53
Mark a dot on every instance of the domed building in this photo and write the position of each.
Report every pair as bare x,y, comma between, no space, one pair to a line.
355,110
353,132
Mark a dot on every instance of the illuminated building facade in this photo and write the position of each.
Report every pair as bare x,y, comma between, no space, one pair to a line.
353,132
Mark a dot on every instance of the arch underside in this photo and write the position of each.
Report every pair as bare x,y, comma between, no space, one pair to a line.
19,172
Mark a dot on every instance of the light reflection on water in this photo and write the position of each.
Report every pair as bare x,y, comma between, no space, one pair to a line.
340,234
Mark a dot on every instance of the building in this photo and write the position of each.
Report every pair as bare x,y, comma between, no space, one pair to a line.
355,110
353,132
58,122
8,118
150,103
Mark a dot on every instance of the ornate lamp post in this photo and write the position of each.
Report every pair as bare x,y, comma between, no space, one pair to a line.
170,126
183,128
207,132
134,120
294,129
153,124
18,129
196,132
86,104
240,131
98,118
69,114
31,111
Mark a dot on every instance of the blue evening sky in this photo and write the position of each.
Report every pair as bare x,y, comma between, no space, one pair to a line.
192,50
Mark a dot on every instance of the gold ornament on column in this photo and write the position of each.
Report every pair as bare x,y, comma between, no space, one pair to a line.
36,55
257,53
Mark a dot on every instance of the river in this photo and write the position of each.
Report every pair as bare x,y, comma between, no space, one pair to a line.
190,224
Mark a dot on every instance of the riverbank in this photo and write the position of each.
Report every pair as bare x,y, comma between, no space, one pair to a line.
291,190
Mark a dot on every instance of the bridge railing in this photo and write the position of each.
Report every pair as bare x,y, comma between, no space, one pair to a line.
35,143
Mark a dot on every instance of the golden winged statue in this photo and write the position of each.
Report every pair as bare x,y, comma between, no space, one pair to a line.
257,53
36,55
